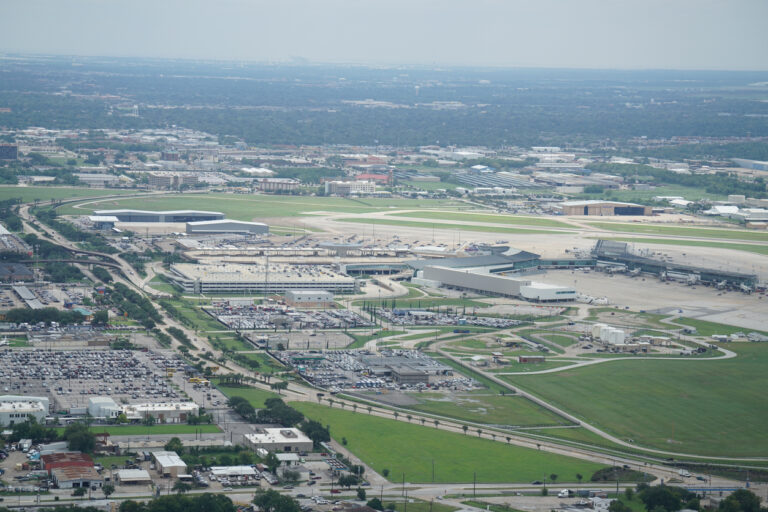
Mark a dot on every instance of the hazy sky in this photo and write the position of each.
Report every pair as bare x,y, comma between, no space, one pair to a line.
677,34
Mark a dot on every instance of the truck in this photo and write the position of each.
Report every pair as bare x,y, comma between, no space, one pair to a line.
683,473
565,493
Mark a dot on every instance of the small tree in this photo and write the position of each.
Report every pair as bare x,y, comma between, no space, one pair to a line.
181,487
579,477
464,428
80,491
553,477
108,490
360,493
375,504
385,472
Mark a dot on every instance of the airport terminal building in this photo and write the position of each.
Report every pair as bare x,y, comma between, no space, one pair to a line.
161,216
204,227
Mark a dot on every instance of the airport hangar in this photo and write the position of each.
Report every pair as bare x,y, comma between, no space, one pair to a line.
161,216
604,208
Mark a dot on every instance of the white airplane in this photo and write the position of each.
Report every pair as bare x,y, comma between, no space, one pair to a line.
5,342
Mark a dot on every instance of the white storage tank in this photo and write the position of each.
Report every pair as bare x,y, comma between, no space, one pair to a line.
596,330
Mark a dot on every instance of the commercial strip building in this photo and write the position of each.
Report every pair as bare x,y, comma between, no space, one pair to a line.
279,440
171,412
161,216
237,279
226,226
133,477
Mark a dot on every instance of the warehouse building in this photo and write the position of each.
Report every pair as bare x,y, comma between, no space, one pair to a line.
280,440
66,460
227,226
235,278
604,208
170,412
161,216
309,298
480,280
103,407
133,477
73,477
12,272
18,411
169,464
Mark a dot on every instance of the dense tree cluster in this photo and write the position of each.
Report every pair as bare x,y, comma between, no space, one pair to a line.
277,411
181,503
47,315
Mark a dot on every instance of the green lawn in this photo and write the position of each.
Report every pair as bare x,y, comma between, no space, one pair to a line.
758,249
117,460
704,328
410,449
700,407
256,396
487,217
29,194
248,207
463,227
486,409
194,317
134,430
264,360
417,505
719,234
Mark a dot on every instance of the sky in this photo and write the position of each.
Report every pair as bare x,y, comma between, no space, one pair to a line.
604,34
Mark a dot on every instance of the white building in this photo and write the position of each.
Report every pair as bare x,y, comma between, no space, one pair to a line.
608,335
103,407
280,440
168,412
308,298
227,226
169,463
346,188
21,398
246,472
13,412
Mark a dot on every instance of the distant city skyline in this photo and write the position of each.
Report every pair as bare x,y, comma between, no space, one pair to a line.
601,34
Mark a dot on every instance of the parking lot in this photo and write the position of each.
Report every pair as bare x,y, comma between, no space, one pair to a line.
270,317
361,369
421,317
70,378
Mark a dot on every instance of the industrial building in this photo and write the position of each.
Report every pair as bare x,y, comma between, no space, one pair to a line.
161,216
171,412
72,477
309,298
480,279
608,335
227,226
103,222
133,477
18,411
255,279
280,440
603,208
66,460
169,463
103,407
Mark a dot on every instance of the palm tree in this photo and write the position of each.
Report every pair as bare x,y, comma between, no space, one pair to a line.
579,476
437,423
354,407
409,418
370,409
508,439
422,420
493,436
464,428
479,433
396,414
553,477
331,401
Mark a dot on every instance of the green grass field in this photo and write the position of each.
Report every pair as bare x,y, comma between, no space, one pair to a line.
487,217
719,234
137,430
485,409
406,448
462,227
698,407
757,249
418,506
255,396
248,207
705,328
29,194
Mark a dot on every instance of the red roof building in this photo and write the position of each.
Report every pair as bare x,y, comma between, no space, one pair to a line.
378,178
66,460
